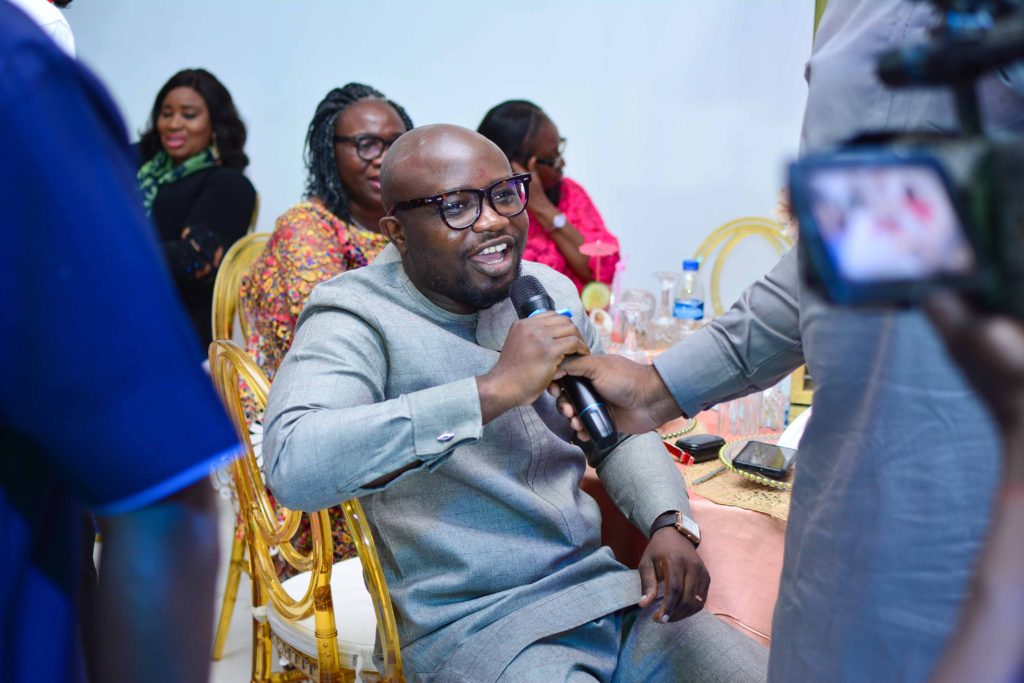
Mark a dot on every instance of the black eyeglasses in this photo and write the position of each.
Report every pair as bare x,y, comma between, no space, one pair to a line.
368,147
460,209
557,159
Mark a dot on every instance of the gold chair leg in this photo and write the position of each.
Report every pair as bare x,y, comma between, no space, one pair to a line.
262,648
230,594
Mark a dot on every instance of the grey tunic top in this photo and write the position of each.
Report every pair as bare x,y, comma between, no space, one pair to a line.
899,460
490,544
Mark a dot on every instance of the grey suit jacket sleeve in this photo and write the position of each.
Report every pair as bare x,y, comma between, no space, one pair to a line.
642,480
751,347
638,473
330,431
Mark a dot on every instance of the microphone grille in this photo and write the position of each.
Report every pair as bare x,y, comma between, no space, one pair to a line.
524,288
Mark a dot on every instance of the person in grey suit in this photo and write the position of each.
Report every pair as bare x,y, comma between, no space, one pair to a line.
899,461
413,385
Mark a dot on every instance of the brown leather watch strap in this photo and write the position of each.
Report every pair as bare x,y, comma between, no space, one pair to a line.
673,518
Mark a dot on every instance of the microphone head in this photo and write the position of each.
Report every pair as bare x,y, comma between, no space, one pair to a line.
529,296
525,287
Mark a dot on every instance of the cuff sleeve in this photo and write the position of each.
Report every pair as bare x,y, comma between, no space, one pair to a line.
642,480
696,372
444,418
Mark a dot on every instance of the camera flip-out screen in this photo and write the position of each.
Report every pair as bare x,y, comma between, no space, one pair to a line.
880,229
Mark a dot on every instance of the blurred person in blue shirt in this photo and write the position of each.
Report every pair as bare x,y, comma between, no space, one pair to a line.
94,347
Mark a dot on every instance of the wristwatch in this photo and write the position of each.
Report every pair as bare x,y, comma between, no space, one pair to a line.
558,222
683,524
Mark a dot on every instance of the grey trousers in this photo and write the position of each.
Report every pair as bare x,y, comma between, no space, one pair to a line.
628,647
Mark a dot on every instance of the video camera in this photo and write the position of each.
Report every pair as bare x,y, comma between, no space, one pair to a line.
886,218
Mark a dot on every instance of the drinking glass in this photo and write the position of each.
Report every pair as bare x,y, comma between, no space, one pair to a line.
644,303
663,329
741,416
633,311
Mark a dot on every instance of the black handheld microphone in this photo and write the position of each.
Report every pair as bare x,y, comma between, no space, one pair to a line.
530,298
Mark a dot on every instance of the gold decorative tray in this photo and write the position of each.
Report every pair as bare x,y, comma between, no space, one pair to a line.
690,425
727,452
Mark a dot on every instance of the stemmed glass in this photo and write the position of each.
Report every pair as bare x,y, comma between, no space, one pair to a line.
664,328
634,310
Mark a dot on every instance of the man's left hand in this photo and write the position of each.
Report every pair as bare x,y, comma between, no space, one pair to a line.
672,560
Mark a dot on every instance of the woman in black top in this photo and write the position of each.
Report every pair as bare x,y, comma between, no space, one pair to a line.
192,184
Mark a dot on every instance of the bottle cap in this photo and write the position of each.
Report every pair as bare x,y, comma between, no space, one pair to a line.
691,264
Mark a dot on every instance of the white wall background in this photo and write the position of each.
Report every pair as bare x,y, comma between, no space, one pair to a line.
679,113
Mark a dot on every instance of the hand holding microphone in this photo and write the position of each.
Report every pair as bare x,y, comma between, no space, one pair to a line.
529,358
531,302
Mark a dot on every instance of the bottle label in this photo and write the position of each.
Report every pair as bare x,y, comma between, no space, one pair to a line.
689,309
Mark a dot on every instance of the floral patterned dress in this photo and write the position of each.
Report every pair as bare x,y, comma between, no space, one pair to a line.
309,245
580,211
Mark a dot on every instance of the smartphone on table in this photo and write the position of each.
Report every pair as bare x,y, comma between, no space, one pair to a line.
766,459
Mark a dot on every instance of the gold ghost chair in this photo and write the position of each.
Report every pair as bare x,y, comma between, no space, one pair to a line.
717,246
801,392
238,259
226,310
324,619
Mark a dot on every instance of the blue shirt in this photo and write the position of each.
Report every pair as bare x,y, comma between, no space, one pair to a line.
102,403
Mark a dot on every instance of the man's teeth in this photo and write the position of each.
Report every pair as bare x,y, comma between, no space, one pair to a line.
496,249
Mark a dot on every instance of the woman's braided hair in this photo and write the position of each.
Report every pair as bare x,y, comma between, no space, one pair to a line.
322,179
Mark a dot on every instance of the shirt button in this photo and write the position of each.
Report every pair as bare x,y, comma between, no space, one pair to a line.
445,437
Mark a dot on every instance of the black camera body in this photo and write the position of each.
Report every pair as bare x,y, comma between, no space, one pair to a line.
885,224
887,218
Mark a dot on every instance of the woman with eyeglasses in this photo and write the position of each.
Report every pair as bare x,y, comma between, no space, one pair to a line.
334,229
562,216
193,185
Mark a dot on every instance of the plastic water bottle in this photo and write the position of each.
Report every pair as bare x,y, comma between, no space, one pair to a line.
688,308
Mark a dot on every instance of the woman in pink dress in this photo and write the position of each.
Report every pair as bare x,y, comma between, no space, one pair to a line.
562,217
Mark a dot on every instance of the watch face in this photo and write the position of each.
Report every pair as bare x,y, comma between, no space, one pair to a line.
558,221
691,527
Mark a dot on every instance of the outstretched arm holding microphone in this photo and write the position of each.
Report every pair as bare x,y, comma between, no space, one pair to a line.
754,345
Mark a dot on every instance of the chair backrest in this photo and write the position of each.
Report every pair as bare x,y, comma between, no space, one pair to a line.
819,9
233,266
801,392
270,526
719,244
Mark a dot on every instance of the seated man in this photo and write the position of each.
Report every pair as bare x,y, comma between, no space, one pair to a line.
412,384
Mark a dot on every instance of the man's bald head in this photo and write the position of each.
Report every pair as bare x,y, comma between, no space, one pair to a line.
469,267
417,163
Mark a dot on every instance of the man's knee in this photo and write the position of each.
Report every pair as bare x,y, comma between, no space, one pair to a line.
699,648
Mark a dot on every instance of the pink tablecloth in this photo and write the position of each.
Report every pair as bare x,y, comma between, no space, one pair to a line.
741,549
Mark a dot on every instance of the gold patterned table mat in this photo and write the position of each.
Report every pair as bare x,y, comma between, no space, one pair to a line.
729,488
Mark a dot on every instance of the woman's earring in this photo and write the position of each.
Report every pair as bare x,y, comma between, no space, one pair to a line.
215,150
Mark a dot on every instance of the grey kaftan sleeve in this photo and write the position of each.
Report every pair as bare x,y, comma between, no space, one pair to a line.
330,431
749,348
642,480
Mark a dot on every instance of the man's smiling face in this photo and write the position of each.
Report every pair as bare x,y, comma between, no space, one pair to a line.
461,271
